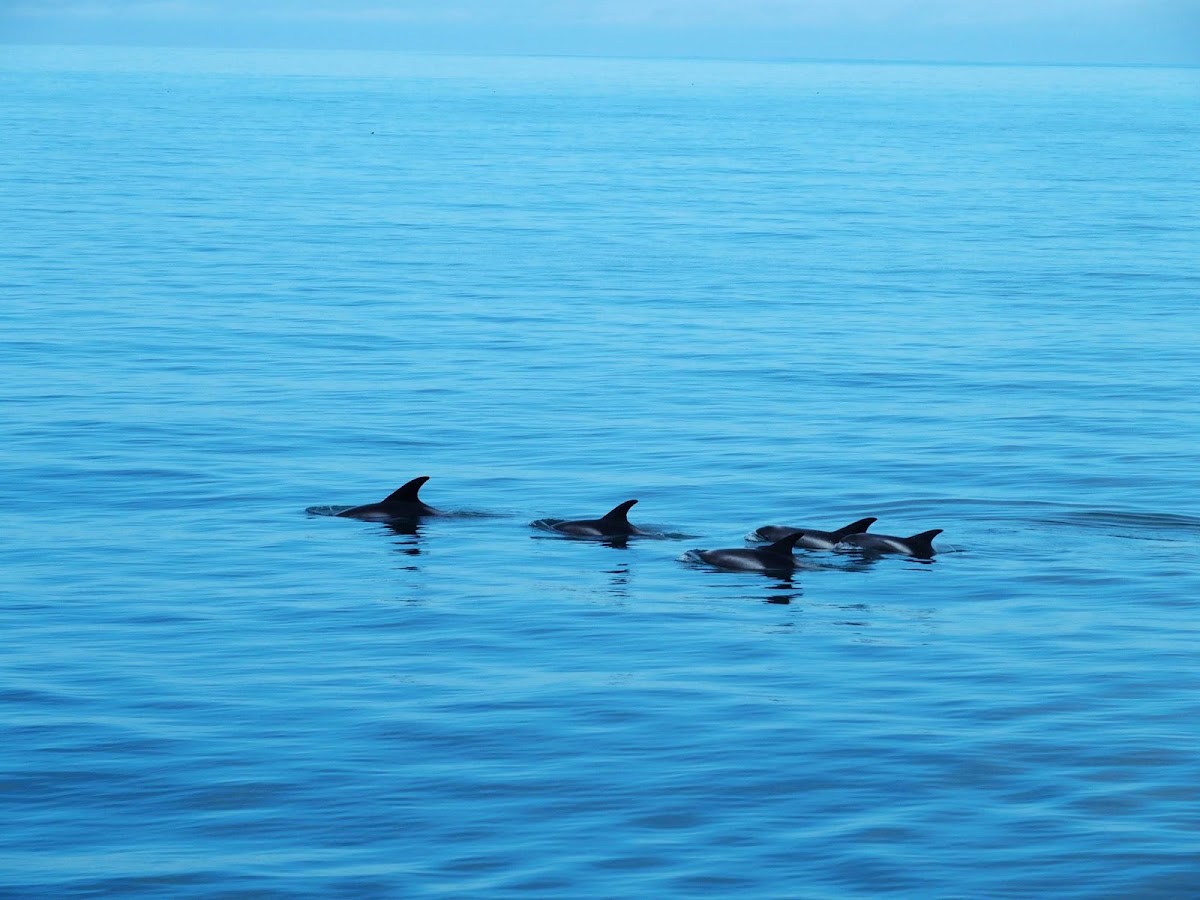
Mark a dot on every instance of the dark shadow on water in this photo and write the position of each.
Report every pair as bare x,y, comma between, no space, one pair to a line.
407,538
857,560
618,582
782,590
617,541
403,526
781,587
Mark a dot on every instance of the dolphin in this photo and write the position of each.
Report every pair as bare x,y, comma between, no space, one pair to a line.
775,558
813,539
402,503
614,523
919,545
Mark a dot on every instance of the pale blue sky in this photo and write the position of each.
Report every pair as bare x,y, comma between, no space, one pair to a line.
1067,31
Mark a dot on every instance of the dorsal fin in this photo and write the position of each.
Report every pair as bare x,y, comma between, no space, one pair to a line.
784,546
618,513
406,494
922,544
858,527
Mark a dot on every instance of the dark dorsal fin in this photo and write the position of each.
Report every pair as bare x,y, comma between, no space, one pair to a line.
405,495
922,544
858,527
784,546
618,513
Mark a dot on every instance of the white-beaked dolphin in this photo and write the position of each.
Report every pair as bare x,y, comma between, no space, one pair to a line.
775,558
919,545
813,538
614,523
402,503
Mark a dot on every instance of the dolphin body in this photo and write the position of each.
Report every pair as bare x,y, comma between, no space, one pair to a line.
775,558
811,538
613,524
402,503
919,545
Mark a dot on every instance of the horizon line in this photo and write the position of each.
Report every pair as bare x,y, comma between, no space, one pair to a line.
641,57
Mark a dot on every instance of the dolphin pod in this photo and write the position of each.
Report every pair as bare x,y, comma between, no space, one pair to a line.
405,505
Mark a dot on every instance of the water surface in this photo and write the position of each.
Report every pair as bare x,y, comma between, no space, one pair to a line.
237,285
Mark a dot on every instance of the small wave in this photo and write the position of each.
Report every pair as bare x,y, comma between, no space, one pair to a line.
470,514
327,510
1144,522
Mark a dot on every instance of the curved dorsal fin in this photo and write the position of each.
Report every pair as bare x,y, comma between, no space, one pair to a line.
784,546
405,494
922,544
858,527
618,513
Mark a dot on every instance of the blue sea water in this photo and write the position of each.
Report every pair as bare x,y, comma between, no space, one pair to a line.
239,284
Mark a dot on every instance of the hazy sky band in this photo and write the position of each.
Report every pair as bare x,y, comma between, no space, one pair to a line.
1067,31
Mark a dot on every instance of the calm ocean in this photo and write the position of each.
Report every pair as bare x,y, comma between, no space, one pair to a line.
234,285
